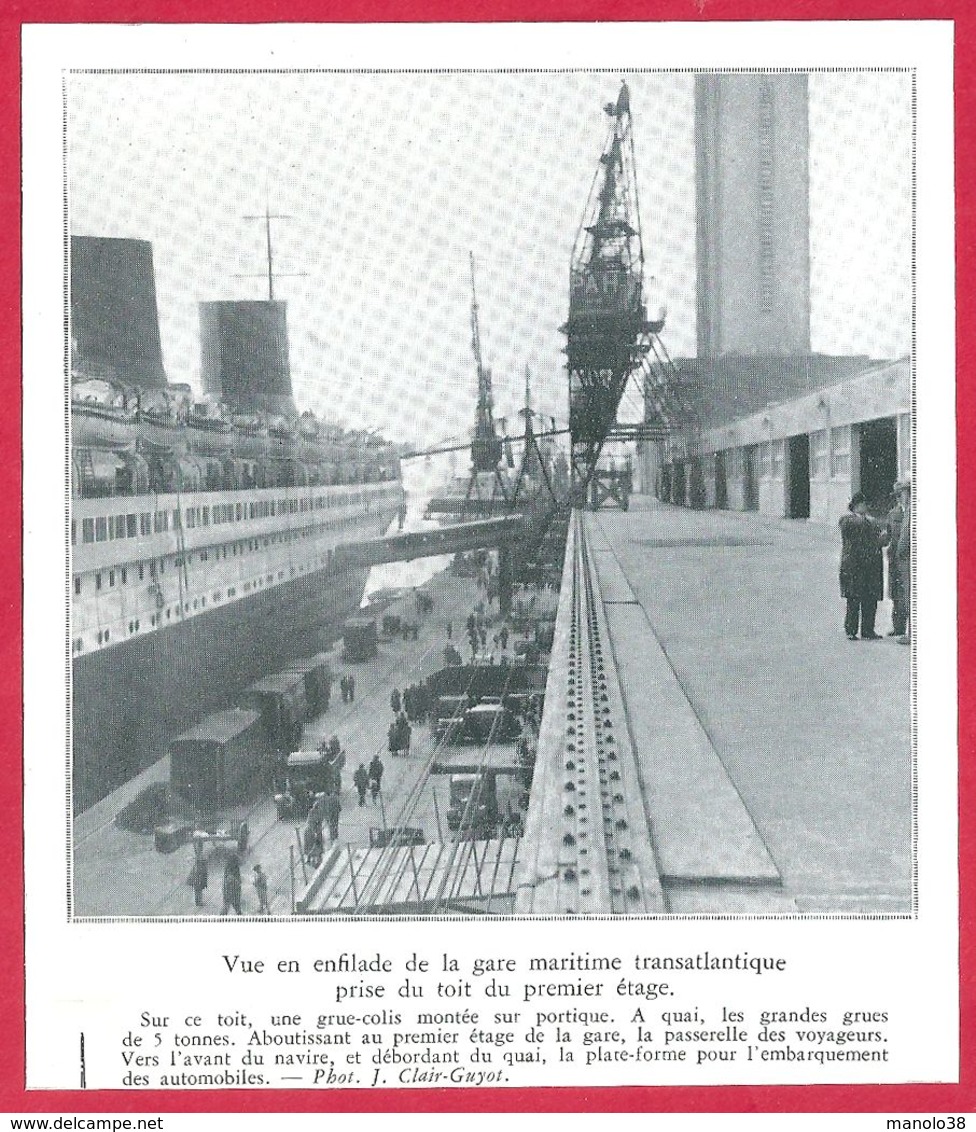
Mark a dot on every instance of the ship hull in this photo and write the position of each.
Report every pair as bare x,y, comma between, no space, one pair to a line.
130,700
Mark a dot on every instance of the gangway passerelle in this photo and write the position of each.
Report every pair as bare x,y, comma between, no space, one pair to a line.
500,531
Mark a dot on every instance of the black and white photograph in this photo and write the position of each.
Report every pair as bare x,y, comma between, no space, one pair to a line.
489,556
490,493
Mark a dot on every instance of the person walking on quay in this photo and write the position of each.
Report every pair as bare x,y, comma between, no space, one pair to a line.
361,781
198,873
344,688
375,777
232,885
261,889
861,568
401,735
904,557
450,629
331,809
395,701
352,688
895,590
312,841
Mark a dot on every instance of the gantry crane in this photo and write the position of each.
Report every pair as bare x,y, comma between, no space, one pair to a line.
486,446
608,334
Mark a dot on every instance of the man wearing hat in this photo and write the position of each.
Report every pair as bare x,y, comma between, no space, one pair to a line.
896,591
861,568
904,556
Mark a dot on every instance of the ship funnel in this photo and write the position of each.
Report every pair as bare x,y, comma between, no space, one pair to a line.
245,356
114,317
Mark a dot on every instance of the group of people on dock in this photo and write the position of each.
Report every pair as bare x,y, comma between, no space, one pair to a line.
231,886
369,778
864,539
399,735
417,703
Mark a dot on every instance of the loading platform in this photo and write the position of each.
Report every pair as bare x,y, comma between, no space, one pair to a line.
463,877
632,810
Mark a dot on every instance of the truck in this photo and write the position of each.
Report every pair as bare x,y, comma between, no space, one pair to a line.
359,639
459,722
216,763
304,775
281,703
317,674
489,720
449,717
473,805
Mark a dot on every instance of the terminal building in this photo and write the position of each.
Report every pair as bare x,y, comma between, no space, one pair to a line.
778,429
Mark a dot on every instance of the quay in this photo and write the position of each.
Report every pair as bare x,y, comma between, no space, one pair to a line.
760,763
117,873
773,755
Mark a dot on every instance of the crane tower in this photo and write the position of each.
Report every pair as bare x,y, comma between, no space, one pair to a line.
486,446
608,333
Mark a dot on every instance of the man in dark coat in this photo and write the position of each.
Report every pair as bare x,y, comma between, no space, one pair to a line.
198,877
896,591
232,885
904,556
361,781
261,888
861,568
375,776
331,808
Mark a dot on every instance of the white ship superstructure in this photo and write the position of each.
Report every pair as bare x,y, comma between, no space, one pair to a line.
141,564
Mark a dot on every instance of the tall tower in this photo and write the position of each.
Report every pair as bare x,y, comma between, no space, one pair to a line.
753,214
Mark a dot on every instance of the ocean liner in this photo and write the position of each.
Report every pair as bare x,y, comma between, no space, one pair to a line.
203,530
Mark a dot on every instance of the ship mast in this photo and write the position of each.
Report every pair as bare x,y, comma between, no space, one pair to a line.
267,217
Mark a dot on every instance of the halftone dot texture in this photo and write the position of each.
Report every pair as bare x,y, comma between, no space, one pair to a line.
861,213
389,180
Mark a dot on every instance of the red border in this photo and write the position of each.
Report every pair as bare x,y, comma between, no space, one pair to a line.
813,1098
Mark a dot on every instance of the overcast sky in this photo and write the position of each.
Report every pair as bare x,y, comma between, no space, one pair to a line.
390,180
